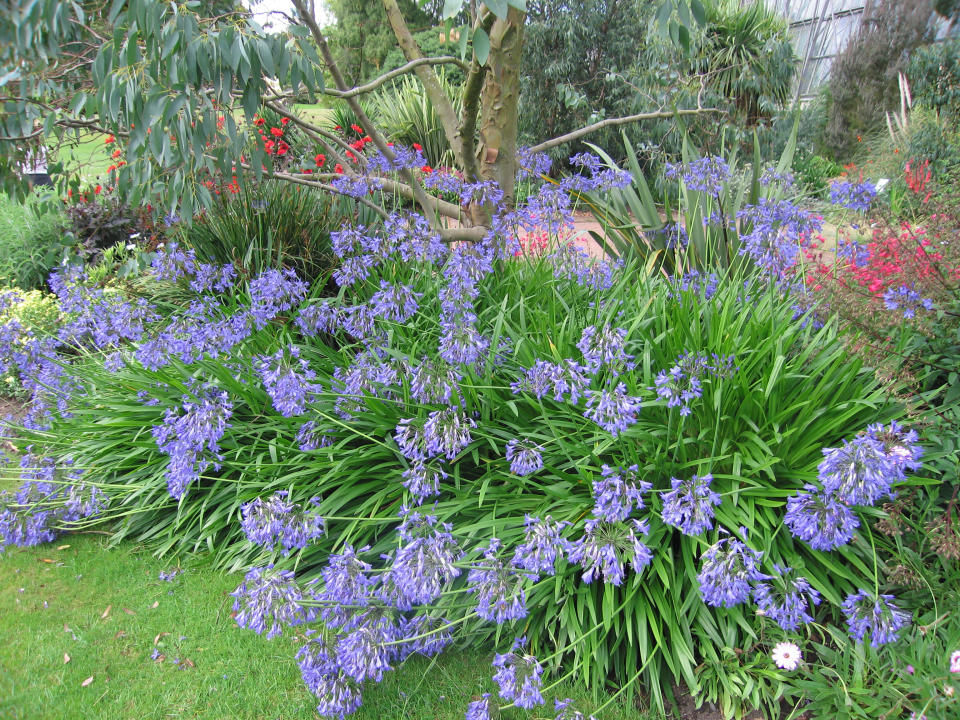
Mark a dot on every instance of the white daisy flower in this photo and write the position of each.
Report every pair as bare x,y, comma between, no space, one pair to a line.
786,655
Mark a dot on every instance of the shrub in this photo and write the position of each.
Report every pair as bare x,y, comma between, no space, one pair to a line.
813,172
268,225
863,77
31,242
934,76
609,446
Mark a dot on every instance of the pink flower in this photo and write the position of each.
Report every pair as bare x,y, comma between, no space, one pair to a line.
955,661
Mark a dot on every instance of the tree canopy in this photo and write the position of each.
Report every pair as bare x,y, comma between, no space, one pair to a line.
177,89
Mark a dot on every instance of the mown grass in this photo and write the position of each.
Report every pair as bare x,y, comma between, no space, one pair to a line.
77,609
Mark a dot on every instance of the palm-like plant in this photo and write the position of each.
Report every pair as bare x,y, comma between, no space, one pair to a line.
746,56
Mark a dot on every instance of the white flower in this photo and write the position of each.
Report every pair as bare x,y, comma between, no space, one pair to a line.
786,655
955,661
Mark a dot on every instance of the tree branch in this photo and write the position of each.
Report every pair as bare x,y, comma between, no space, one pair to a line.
420,196
431,84
610,122
471,108
386,77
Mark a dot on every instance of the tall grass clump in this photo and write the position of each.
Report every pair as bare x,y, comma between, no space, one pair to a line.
602,470
31,242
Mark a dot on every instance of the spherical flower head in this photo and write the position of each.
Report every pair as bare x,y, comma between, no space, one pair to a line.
786,655
270,596
424,563
346,582
423,480
605,548
567,380
338,694
277,519
900,445
288,380
543,544
617,493
432,382
524,457
604,347
820,519
876,615
859,472
688,506
855,196
499,588
447,432
396,303
483,708
519,676
955,661
613,410
786,599
728,568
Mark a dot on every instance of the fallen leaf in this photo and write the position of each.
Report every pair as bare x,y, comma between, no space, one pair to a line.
66,628
66,658
62,547
47,560
128,611
120,634
87,681
157,638
188,662
106,612
156,604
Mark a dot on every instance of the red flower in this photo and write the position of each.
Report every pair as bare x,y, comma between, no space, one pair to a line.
109,139
97,189
282,148
284,121
115,154
307,171
320,159
276,132
367,139
427,169
351,156
338,168
418,147
337,127
258,121
357,129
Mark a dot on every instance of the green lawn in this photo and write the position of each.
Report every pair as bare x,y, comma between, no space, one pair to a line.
79,621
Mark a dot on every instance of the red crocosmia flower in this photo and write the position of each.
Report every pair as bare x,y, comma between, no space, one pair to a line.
427,169
320,159
307,171
268,146
337,127
357,129
367,139
338,169
109,139
69,193
282,148
418,147
351,156
97,190
284,121
276,132
111,168
259,121
115,154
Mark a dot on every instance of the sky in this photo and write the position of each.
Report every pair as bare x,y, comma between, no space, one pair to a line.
264,11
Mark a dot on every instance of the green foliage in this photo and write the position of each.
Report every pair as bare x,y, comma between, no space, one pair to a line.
935,138
408,116
934,75
813,172
362,38
32,242
746,56
268,225
576,57
434,42
759,432
863,77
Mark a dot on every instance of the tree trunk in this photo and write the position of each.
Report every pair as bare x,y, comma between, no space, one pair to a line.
499,102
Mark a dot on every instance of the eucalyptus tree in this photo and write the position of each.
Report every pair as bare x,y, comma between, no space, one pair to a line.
167,83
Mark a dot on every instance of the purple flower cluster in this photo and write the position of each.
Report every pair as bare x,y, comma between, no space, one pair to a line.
604,347
567,380
269,596
907,300
727,570
499,587
278,519
778,231
855,196
612,409
786,598
289,381
618,493
876,615
709,175
689,504
53,497
524,458
190,436
682,382
519,676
